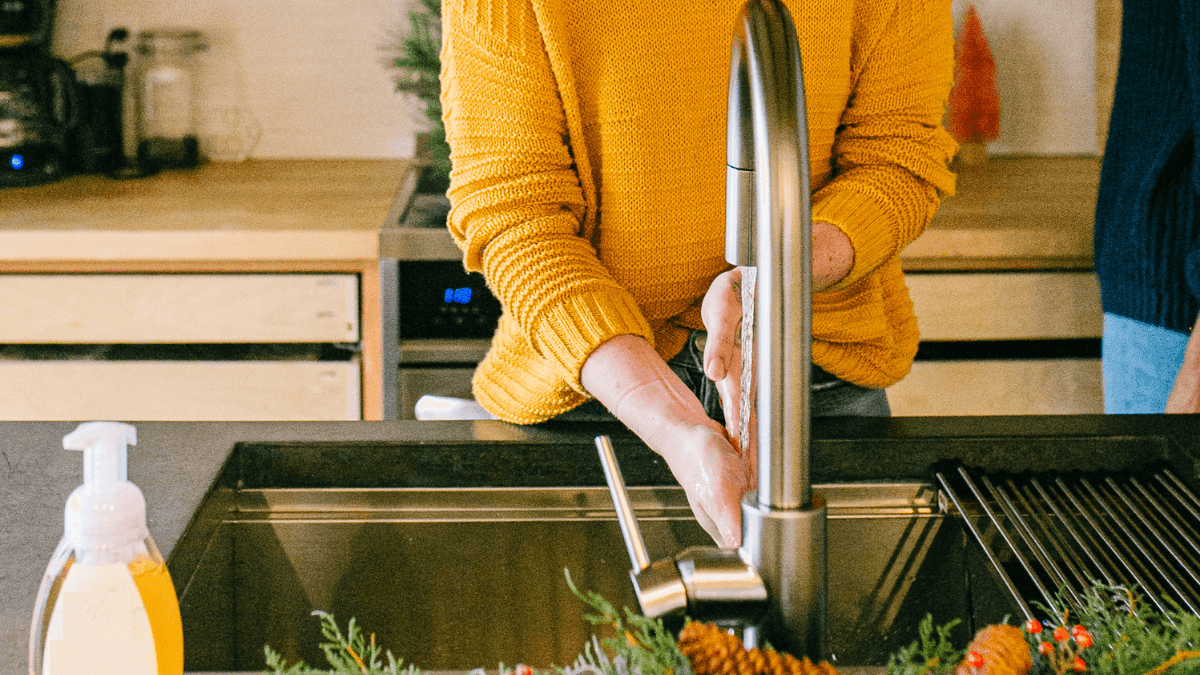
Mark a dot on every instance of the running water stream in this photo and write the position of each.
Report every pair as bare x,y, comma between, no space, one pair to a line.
746,395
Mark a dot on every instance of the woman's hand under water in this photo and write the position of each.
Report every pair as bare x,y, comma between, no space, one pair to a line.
721,311
722,316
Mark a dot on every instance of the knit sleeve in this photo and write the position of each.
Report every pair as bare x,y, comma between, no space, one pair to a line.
891,152
520,208
1189,24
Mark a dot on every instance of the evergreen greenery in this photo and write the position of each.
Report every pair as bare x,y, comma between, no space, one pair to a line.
420,64
349,654
930,655
1129,637
641,646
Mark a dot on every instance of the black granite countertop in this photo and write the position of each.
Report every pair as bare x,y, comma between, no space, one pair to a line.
175,464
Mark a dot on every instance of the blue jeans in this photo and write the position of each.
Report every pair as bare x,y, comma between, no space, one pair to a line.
831,396
1140,363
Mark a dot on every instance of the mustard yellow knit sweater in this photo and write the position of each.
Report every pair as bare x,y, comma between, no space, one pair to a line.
588,145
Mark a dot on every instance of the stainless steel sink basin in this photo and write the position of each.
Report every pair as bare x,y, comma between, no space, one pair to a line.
465,577
453,554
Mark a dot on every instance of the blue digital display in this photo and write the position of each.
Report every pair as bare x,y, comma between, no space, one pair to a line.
17,161
458,296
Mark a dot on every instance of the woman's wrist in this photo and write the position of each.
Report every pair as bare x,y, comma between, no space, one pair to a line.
833,255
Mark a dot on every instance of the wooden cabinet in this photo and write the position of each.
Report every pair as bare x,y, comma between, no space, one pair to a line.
249,291
267,256
1022,311
993,387
1006,305
178,309
1004,278
180,390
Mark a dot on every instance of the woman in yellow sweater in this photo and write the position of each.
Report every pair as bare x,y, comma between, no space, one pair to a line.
588,185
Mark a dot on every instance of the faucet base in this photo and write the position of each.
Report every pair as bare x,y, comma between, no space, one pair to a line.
788,548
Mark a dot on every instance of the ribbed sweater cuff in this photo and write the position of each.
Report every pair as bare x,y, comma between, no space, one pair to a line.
572,329
866,222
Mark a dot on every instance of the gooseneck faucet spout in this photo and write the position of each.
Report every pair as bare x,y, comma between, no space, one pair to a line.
769,226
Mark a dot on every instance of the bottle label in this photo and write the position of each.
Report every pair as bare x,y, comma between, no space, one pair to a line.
99,625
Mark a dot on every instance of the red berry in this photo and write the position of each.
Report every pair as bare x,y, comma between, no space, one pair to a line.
1033,626
1079,665
1077,629
975,659
523,669
1084,639
1061,634
1046,648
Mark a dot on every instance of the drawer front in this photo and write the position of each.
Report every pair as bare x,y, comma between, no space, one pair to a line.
1006,306
1018,387
178,308
180,390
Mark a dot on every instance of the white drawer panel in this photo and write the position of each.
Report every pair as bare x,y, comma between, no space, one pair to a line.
1034,387
178,308
1009,306
180,390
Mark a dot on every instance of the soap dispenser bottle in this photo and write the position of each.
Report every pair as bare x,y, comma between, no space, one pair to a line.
106,603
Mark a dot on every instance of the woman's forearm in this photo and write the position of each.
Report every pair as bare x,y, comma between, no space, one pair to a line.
636,385
833,255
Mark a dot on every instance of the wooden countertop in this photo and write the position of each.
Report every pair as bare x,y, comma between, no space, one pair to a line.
1010,213
269,210
1013,213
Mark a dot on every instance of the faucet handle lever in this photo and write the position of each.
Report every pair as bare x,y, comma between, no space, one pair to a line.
710,581
659,587
638,556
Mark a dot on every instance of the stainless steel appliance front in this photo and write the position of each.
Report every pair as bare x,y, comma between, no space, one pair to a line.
446,316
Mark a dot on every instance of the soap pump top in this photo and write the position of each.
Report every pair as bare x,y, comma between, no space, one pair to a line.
106,516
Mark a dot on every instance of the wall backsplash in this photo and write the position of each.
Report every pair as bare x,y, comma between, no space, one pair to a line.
313,74
1046,71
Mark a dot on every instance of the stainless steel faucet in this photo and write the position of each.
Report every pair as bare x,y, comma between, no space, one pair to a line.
784,523
782,561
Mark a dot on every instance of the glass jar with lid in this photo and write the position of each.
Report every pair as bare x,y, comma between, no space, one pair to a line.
166,95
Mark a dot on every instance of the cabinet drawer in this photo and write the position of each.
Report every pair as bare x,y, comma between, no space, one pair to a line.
1018,387
1006,306
180,390
178,308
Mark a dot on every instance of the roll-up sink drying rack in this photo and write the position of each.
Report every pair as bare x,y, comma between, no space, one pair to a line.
1052,537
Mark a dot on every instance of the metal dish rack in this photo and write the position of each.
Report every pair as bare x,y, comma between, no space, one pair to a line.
1051,537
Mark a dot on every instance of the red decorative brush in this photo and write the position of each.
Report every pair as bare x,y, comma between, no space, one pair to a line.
974,111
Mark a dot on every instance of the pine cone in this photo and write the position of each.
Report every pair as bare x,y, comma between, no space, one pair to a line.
1004,651
712,651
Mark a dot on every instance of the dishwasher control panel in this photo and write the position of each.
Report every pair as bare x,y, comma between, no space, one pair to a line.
440,300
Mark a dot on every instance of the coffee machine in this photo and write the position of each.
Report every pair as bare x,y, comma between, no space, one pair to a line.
38,107
26,23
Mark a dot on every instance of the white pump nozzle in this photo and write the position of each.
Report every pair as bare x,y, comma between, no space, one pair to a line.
105,447
107,510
